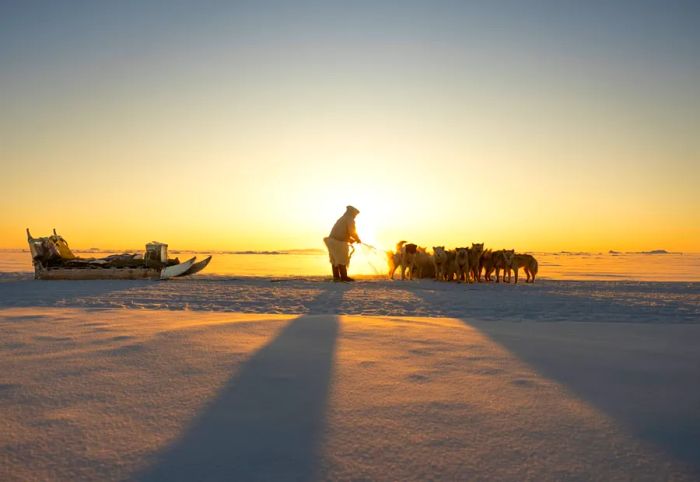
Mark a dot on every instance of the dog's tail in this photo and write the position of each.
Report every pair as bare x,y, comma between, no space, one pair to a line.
399,245
535,266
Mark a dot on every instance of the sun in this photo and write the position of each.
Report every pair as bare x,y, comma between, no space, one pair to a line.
372,222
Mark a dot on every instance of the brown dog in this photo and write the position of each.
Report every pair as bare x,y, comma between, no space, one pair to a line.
486,265
502,260
408,260
475,253
529,264
509,260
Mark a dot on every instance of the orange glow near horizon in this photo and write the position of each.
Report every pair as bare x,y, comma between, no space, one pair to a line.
296,207
293,192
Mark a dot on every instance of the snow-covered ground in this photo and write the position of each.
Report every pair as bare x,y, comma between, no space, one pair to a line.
298,379
546,300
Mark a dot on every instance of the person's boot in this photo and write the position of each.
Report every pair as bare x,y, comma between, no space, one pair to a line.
344,273
336,273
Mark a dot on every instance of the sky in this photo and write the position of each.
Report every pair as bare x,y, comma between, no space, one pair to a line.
536,125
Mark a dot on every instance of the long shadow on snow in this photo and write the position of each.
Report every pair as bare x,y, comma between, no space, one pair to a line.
653,394
267,421
330,300
655,399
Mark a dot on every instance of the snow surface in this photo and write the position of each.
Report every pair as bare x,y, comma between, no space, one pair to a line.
299,379
546,300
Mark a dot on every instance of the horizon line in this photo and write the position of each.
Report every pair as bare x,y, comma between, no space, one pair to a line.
659,251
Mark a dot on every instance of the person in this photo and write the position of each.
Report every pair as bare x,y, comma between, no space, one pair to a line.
338,243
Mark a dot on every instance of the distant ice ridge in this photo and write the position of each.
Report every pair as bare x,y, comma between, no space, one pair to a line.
653,251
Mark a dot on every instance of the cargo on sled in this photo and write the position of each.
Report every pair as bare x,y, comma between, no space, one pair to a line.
53,259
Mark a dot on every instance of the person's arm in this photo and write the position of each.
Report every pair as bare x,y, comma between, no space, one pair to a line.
352,232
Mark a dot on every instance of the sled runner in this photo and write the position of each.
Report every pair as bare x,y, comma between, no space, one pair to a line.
196,267
177,269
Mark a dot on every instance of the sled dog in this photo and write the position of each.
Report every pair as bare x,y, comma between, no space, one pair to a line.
529,265
440,262
405,257
450,267
485,265
498,263
475,253
394,261
408,258
509,261
424,263
462,264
